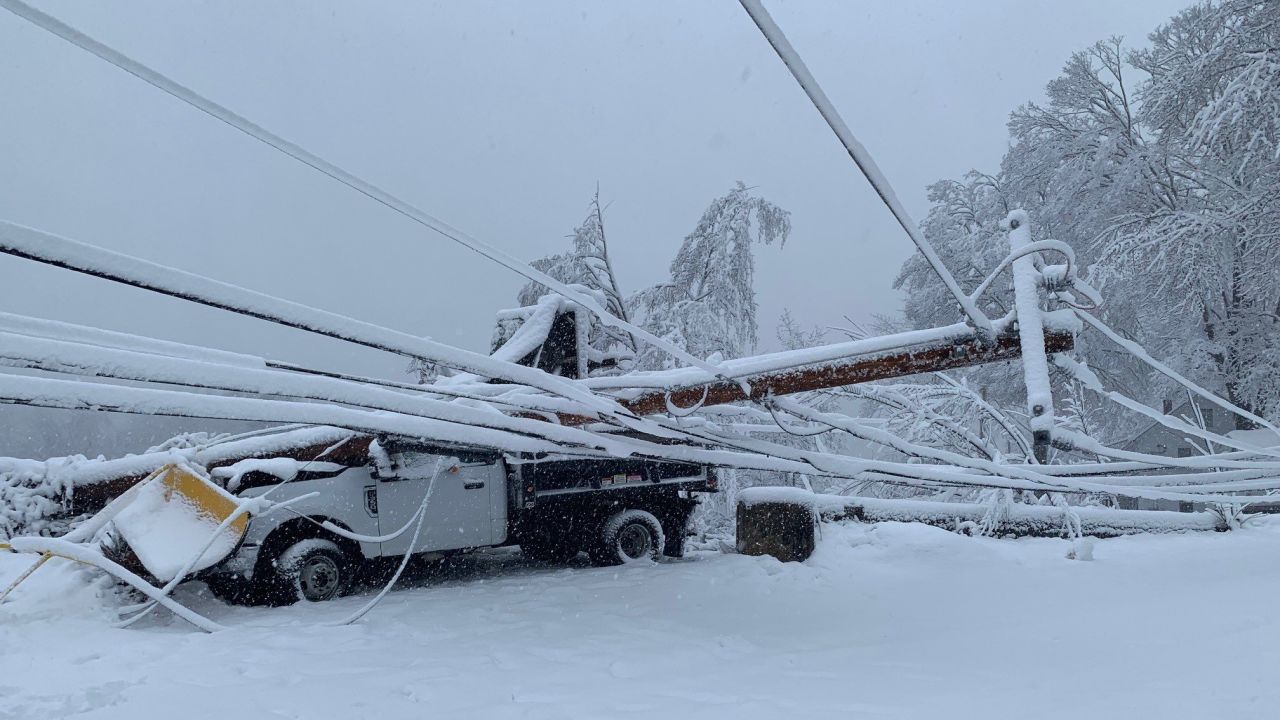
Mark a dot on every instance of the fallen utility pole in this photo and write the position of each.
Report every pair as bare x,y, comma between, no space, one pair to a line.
779,521
930,357
936,354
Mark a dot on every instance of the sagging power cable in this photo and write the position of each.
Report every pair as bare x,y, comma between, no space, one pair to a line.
862,159
239,122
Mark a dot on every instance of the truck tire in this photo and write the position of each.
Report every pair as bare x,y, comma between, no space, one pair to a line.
627,537
313,569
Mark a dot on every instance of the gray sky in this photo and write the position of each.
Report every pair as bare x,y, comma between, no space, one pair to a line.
500,118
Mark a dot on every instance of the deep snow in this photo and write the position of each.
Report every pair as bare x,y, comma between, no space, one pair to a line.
893,620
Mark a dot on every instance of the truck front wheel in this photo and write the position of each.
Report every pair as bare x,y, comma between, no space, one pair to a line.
627,537
313,569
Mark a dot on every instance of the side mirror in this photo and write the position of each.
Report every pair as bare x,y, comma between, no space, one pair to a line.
382,466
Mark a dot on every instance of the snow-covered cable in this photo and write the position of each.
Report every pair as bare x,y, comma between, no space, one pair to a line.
1202,462
527,401
1136,350
773,412
86,335
343,532
404,562
79,359
1039,246
679,412
1025,477
1090,380
72,394
70,332
861,158
100,262
248,127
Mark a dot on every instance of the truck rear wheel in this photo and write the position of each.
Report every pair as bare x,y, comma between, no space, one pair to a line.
627,537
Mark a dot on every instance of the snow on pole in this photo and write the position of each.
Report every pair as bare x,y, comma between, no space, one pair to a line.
89,259
70,332
1035,362
1018,519
80,359
81,395
863,159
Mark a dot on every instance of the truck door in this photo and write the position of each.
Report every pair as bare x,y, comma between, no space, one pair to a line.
459,513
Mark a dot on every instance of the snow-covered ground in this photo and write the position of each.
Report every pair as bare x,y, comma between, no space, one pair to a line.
894,620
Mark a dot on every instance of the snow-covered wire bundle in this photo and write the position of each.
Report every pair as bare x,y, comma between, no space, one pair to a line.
356,404
293,150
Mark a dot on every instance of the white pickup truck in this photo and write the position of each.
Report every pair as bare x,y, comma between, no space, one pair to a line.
616,511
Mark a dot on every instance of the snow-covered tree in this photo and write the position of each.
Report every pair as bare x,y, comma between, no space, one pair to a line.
709,305
1209,265
588,264
1161,168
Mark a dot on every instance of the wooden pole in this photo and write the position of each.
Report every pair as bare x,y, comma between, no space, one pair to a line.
933,357
926,357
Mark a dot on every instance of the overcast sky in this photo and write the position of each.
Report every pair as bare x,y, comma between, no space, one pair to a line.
500,118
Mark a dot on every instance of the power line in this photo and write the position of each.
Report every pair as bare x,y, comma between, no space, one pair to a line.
861,158
252,129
